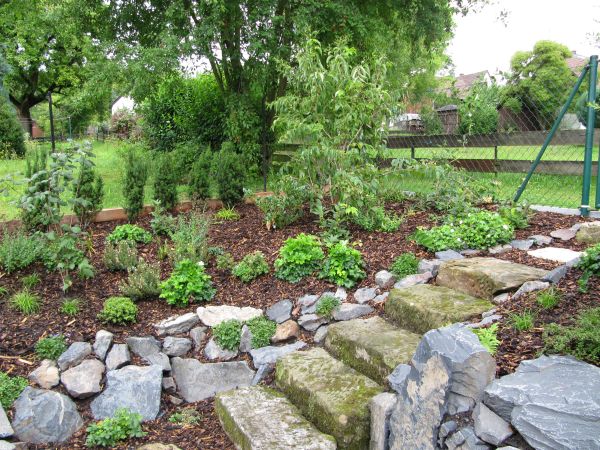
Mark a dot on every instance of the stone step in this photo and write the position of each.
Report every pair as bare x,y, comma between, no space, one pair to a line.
330,394
372,346
425,307
260,418
486,277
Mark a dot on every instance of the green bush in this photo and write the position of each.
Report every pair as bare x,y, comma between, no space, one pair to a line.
186,417
404,265
285,206
70,306
142,282
51,347
165,182
12,142
225,261
118,310
34,206
228,334
343,266
298,258
136,175
129,232
326,305
251,266
109,432
589,264
88,188
162,223
478,112
188,283
262,330
200,176
18,251
582,340
25,302
517,216
229,175
122,255
488,338
190,238
10,389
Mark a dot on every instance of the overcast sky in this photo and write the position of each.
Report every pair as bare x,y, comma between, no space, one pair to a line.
483,42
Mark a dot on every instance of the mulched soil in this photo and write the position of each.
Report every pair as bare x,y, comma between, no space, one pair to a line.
18,333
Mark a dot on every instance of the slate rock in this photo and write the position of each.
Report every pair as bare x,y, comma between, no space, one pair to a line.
385,279
285,331
46,375
280,311
320,334
413,280
499,249
310,322
530,286
364,295
76,353
448,255
466,439
522,244
308,302
133,387
44,417
399,376
158,359
563,235
84,380
556,275
213,315
270,355
349,311
176,346
341,293
486,321
588,233
143,346
102,343
261,373
168,385
6,430
214,351
177,324
197,334
381,409
489,426
429,265
501,298
118,357
245,339
446,429
471,252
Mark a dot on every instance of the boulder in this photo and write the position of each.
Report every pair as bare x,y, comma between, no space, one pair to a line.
177,324
76,353
213,315
102,343
84,380
45,417
489,426
6,430
269,355
133,387
557,254
589,233
381,409
448,255
414,280
385,279
214,351
541,240
310,322
198,381
349,311
286,331
197,335
168,385
280,311
364,295
341,293
47,375
118,357
381,298
174,346
158,359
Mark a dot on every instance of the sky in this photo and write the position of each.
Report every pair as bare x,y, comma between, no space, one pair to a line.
482,42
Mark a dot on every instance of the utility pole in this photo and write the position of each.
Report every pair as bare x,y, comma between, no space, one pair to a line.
51,122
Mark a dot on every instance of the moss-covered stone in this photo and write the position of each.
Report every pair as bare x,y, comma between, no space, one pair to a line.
486,277
260,418
372,346
330,394
589,233
425,307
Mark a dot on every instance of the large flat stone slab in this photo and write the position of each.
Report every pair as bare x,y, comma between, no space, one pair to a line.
330,394
486,277
213,315
260,418
425,307
557,254
372,346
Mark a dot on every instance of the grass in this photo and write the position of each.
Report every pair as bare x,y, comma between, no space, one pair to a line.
548,299
522,322
25,302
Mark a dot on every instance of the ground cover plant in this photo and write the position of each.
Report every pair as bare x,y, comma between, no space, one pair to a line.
10,389
488,337
51,347
131,233
299,257
343,265
262,330
109,432
228,334
326,305
119,311
143,281
70,306
404,265
25,302
122,255
251,266
582,339
188,283
589,264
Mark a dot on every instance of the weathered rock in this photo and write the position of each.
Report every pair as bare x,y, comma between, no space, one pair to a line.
448,255
499,249
214,351
381,298
174,346
398,378
46,376
341,293
489,426
118,357
259,418
500,298
158,359
261,373
197,334
372,346
552,401
562,255
471,252
429,265
381,409
486,277
197,381
44,417
168,385
589,233
133,387
310,322
349,311
414,280
522,244
177,324
320,334
102,343
445,430
245,339
84,380
158,447
530,286
384,279
554,276
465,439
269,355
76,353
470,365
540,240
4,445
330,394
486,321
563,235
425,307
214,315
489,313
280,311
364,295
6,430
286,331
143,346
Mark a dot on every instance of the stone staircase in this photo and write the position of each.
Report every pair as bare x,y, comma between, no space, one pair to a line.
325,392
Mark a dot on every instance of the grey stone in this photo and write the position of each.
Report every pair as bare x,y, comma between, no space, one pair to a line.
175,400
176,346
44,417
270,355
522,244
448,255
214,351
6,430
168,385
118,357
588,233
364,295
197,381
556,275
143,346
341,293
177,324
310,322
197,334
489,426
102,343
280,311
381,409
486,321
552,401
573,262
135,388
466,439
501,298
399,377
349,311
470,252
563,235
385,279
213,315
381,298
429,265
308,302
261,373
540,240
245,339
471,366
76,353
7,446
499,249
46,375
158,359
557,254
489,313
446,428
530,286
414,280
84,380
320,334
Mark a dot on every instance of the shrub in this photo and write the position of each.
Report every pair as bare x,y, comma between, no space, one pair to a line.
262,330
228,334
70,306
136,175
488,338
343,266
187,283
404,265
190,238
30,281
590,265
10,389
582,340
18,251
225,261
285,206
143,281
165,182
326,305
118,310
227,214
51,347
186,417
34,206
120,256
298,258
516,216
25,302
131,233
200,176
162,223
251,266
548,298
229,175
88,188
11,132
523,321
109,432
376,219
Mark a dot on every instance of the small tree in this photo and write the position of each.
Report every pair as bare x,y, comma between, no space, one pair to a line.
136,175
229,174
11,133
199,187
88,189
479,111
165,182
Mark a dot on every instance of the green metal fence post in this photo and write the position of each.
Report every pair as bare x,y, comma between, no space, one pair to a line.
589,138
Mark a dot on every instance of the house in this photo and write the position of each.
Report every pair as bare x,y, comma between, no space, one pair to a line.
577,62
122,103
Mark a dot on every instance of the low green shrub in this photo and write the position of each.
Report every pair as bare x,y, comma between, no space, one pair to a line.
582,340
299,257
228,334
343,265
523,321
404,265
589,264
18,251
162,223
190,238
186,417
377,219
142,282
285,206
548,298
131,233
262,330
10,389
30,281
227,214
225,261
51,347
188,283
326,305
70,306
488,338
25,302
109,432
118,310
251,266
122,255
516,216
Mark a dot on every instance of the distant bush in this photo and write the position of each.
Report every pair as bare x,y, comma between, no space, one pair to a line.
131,233
165,182
229,174
88,188
12,142
200,176
136,175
